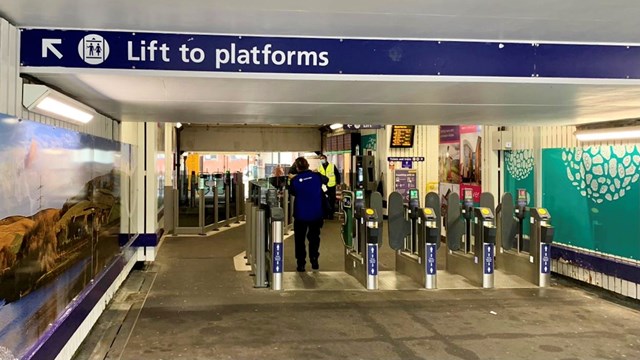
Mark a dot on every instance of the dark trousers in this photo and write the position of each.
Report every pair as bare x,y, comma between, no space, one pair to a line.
311,231
331,193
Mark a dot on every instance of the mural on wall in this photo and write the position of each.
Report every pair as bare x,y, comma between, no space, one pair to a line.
587,189
59,223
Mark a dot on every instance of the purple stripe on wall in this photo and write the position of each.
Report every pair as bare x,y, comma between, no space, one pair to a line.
59,333
600,264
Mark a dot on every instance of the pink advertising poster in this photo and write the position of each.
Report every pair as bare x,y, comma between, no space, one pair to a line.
470,154
449,155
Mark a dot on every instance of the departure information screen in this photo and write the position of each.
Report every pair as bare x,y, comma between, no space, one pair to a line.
402,136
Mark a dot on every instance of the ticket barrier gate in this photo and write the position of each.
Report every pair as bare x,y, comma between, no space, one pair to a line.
361,237
473,258
414,234
265,230
530,260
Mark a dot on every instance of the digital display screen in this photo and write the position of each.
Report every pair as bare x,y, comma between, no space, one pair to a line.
402,136
359,194
413,194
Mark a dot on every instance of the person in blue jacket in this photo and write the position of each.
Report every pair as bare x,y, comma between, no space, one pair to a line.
308,212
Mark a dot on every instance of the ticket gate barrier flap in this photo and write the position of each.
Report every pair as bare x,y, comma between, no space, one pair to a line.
456,224
375,202
506,222
346,205
397,224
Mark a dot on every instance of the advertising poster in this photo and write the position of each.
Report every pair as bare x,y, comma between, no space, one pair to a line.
449,155
60,212
471,154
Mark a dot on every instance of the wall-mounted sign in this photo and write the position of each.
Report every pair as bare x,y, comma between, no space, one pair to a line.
404,158
402,136
405,180
258,54
361,127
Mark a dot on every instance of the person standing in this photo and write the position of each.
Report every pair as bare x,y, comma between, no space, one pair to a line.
306,186
333,174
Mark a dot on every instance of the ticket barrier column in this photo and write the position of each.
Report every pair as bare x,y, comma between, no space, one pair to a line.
429,235
274,257
541,239
486,238
372,239
260,246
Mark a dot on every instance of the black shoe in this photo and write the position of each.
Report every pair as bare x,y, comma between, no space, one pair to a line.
300,269
315,265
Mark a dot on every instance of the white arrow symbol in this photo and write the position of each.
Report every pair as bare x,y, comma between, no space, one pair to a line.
277,268
488,269
49,45
372,250
545,269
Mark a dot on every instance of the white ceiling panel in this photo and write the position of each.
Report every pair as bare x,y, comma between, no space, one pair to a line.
287,101
541,20
217,98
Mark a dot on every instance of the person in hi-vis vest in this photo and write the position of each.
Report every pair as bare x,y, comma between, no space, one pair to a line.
333,174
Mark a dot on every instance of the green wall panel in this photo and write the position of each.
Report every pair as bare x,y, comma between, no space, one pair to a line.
593,195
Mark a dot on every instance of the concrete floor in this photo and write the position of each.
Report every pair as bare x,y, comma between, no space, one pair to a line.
193,304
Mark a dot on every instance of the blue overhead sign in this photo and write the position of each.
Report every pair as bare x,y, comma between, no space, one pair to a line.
224,53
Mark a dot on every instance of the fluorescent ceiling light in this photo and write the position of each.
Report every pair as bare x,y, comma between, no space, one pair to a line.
59,108
178,125
621,133
45,101
335,126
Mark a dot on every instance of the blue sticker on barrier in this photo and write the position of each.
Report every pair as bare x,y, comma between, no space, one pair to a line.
277,258
488,259
545,259
431,259
372,262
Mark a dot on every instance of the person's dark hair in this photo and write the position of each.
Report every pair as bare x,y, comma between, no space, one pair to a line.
301,164
323,156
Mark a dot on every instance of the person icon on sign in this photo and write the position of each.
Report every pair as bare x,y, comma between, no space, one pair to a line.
98,49
90,47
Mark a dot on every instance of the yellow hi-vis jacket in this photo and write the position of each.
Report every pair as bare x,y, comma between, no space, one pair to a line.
329,172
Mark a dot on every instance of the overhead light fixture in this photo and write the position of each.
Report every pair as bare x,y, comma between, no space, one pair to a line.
178,125
618,133
45,101
335,126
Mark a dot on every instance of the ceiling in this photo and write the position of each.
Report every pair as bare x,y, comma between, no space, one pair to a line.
216,98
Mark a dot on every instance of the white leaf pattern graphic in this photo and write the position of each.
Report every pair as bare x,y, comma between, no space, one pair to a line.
520,163
607,172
